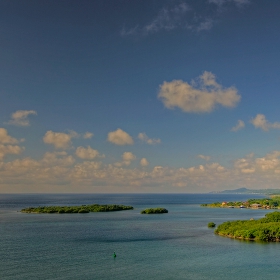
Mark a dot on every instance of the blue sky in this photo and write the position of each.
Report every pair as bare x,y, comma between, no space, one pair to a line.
139,96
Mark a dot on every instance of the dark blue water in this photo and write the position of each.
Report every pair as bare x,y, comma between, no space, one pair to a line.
177,245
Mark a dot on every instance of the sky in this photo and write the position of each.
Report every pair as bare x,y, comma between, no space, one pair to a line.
142,96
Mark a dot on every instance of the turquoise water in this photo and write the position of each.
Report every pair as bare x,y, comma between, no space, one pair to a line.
177,245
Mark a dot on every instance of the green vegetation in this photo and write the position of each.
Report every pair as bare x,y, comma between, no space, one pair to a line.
265,229
211,224
154,211
76,209
267,203
273,202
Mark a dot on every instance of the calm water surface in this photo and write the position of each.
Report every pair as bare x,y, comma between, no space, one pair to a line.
177,245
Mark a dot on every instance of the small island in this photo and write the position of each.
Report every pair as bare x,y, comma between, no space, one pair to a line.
264,229
255,203
154,211
211,225
75,209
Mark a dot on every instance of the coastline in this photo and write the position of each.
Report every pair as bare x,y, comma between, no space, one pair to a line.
248,239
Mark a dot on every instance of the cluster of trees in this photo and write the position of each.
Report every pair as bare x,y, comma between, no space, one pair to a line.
214,204
76,209
273,203
154,211
211,224
230,203
265,229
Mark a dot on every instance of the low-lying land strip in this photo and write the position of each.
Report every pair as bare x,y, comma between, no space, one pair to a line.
264,229
76,209
255,203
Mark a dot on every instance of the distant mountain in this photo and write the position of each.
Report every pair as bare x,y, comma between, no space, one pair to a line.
249,191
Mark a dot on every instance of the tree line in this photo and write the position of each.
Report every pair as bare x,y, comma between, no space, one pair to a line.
76,209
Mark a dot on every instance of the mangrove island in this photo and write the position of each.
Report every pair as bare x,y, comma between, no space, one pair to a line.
154,211
264,229
75,209
211,225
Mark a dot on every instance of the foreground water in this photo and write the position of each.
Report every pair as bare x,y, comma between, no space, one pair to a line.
177,245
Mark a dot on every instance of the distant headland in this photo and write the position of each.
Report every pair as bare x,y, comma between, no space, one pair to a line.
253,203
250,191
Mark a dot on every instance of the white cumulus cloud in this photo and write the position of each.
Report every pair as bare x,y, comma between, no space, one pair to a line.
260,122
120,137
60,140
88,135
9,149
199,98
144,162
57,158
87,153
240,124
127,158
5,138
20,117
207,158
268,166
143,137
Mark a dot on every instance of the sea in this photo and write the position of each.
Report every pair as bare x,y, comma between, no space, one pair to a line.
176,245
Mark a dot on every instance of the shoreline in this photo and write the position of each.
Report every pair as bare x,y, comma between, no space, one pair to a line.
251,208
248,239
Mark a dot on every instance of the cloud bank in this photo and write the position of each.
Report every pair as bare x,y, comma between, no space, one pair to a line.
60,168
9,149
